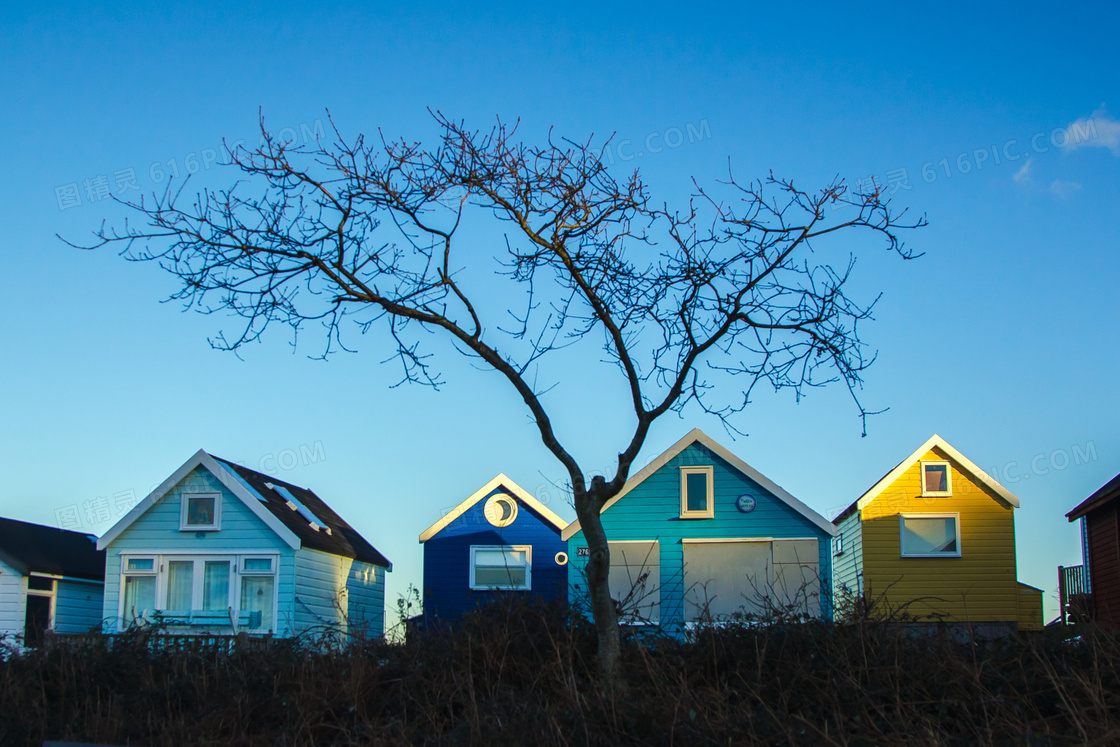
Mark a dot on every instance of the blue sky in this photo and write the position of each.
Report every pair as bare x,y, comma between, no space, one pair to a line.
968,114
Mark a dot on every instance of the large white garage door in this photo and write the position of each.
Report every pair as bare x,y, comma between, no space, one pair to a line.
752,577
635,580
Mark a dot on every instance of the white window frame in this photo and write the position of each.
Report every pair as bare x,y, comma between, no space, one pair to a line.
52,595
838,545
710,511
185,500
948,478
160,571
527,549
956,517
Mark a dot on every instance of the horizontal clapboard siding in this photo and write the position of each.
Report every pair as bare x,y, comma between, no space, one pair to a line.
77,606
651,511
1104,562
13,586
848,565
979,586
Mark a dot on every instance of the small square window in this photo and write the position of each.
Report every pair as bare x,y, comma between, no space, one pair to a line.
930,535
201,512
697,494
40,583
936,478
838,545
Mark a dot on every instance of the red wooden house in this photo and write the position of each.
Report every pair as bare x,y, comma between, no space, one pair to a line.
1093,589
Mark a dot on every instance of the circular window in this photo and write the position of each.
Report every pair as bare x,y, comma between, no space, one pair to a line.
500,510
561,558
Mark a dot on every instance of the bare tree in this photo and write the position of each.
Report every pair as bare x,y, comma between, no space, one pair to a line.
735,289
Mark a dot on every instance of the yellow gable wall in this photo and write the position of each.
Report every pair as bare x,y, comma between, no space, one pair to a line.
979,586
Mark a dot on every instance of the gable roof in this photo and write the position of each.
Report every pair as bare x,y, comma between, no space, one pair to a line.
934,441
509,486
1110,491
34,548
260,495
698,436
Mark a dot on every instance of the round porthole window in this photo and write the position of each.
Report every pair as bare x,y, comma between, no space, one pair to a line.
561,558
500,510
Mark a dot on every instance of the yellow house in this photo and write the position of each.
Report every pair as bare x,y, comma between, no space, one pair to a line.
935,539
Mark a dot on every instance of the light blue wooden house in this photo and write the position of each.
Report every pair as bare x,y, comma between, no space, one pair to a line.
699,534
499,543
50,580
220,548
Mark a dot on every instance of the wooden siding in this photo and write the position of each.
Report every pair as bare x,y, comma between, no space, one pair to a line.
1103,530
321,597
447,592
1030,608
652,512
78,606
365,587
13,587
979,586
848,565
157,531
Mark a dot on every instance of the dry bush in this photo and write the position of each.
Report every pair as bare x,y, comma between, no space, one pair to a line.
520,672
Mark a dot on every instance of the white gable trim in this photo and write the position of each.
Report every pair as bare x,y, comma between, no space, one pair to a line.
500,481
956,456
230,481
698,436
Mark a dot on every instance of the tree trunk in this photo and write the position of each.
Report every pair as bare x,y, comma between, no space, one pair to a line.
603,612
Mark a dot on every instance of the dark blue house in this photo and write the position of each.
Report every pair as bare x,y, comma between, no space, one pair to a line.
499,543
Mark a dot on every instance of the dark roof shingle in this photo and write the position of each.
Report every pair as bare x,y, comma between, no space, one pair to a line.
343,539
37,548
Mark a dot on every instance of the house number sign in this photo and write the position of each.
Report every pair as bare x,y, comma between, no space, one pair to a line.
583,552
746,503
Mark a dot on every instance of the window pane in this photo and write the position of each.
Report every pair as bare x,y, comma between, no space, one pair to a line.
697,485
215,585
499,557
38,583
485,576
256,596
141,564
937,478
180,584
635,580
930,536
139,595
200,511
258,564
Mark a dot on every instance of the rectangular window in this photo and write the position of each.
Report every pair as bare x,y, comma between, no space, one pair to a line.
501,567
697,493
187,585
635,580
936,479
201,512
930,535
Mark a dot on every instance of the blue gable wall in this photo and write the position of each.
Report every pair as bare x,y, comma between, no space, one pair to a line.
157,531
651,511
447,592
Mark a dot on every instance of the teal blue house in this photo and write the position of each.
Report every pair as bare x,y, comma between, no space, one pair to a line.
219,548
699,534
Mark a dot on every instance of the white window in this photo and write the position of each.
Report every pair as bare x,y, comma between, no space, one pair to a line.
697,493
501,567
182,586
838,545
930,535
38,609
635,580
936,479
258,588
138,587
201,512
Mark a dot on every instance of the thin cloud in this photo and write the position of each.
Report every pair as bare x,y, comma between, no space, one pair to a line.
1024,173
1061,188
1097,131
